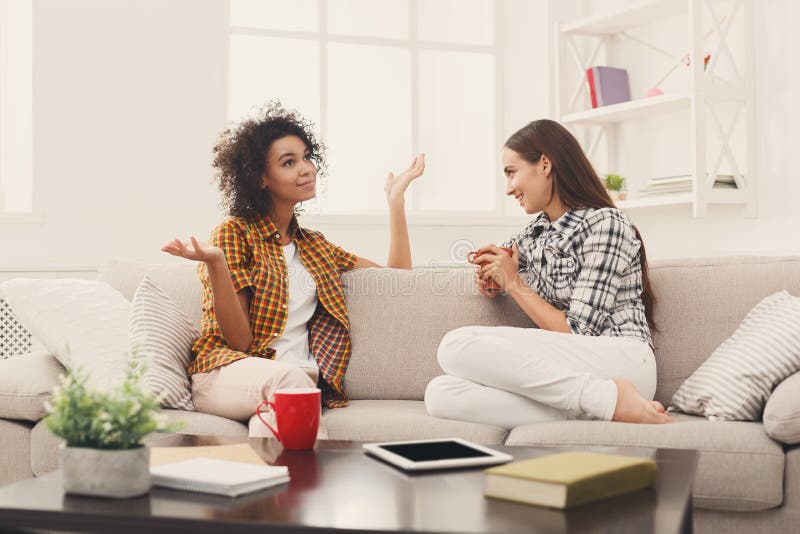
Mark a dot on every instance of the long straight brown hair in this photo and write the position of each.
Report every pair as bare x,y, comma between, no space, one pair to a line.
574,181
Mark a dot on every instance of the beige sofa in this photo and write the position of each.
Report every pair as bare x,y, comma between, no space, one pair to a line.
746,481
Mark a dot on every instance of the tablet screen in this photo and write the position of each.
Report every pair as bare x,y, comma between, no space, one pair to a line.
437,450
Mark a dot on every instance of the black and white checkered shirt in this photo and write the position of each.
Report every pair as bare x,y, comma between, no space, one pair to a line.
587,265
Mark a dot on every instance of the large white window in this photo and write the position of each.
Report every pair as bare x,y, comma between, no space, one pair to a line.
383,80
16,104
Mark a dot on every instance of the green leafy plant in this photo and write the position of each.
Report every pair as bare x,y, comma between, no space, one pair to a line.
119,418
614,182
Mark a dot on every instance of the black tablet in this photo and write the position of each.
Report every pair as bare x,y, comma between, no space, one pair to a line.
427,454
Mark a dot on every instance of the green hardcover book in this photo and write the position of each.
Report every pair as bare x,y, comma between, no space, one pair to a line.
569,479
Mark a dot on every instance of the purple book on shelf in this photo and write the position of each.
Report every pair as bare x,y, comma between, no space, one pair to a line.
611,85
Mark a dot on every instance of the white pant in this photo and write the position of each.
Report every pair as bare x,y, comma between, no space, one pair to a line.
508,377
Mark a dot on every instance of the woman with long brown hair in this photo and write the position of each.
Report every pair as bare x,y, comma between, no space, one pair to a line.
579,271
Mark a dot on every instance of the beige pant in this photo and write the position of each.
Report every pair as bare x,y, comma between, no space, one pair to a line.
234,390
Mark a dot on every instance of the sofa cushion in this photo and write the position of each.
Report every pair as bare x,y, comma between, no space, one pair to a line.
782,413
728,288
205,424
26,383
15,446
398,318
388,420
740,467
44,444
783,520
124,276
178,280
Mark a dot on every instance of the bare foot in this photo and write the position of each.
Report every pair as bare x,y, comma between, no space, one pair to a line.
658,406
633,408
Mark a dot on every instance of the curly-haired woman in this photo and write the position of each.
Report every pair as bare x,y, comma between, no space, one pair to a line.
273,302
579,271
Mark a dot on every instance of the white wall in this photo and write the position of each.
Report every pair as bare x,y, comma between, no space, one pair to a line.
129,96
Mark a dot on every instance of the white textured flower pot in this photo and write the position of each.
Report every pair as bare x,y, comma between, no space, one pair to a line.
118,474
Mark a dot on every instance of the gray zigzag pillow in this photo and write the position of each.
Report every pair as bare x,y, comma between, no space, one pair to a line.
163,335
734,383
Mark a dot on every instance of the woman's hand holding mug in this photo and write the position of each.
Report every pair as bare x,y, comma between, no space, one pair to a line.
496,268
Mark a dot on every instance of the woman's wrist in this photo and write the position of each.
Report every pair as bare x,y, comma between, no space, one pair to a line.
520,291
397,203
516,287
216,262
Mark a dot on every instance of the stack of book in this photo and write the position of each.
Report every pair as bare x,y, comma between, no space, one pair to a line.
683,184
608,85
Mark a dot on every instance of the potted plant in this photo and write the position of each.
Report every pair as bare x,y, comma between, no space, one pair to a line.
615,185
104,452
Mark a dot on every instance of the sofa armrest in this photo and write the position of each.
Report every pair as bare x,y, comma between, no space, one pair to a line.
782,413
26,383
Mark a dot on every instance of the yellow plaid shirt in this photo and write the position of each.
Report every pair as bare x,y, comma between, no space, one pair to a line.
255,259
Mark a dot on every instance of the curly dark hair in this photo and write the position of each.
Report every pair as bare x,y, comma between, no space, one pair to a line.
240,158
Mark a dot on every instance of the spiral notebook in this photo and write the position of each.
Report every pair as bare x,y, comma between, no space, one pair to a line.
221,477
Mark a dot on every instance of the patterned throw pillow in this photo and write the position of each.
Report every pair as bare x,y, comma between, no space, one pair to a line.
14,338
738,378
163,335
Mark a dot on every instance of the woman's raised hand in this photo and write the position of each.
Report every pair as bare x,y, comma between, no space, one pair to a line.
194,250
396,185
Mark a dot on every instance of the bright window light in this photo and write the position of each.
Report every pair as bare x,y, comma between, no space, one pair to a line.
383,80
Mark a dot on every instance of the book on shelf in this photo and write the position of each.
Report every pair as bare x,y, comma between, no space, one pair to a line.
568,479
683,184
221,477
608,85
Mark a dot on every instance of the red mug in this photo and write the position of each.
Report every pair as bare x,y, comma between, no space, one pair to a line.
491,285
297,412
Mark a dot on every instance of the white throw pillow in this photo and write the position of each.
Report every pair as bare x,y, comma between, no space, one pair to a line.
83,323
737,379
163,336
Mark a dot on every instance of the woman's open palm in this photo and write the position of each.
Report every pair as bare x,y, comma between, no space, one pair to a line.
193,250
396,185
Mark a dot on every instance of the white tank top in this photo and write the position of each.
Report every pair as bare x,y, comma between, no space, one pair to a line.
292,347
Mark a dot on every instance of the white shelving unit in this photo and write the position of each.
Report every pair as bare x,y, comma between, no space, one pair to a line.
705,90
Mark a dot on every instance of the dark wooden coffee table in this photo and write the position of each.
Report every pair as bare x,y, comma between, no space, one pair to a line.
337,487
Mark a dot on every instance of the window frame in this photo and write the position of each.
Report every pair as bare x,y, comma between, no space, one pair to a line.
7,216
3,100
499,213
